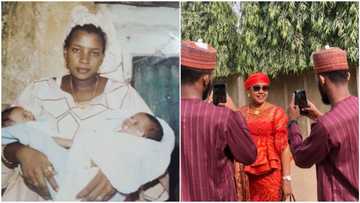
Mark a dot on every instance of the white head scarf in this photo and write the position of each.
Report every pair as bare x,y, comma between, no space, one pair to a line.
113,53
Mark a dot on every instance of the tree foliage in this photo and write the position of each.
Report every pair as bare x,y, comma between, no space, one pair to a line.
215,23
275,37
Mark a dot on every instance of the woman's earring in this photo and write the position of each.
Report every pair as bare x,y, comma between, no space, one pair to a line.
248,95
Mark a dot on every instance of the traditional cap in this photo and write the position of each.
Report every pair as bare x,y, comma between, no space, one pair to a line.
198,55
330,59
255,78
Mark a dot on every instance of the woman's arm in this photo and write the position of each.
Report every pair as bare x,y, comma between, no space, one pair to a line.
98,189
285,161
9,154
35,167
282,147
286,171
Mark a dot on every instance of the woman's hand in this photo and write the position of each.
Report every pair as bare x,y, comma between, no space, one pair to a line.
286,189
99,189
36,169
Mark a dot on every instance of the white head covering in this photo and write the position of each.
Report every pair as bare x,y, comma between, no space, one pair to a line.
113,53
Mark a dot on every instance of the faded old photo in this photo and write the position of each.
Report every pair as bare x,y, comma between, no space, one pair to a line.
90,101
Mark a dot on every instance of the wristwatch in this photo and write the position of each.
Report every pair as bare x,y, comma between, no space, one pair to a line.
286,178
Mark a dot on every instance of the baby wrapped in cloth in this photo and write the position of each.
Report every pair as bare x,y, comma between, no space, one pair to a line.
128,161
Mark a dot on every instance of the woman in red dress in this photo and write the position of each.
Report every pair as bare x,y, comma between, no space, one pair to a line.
269,177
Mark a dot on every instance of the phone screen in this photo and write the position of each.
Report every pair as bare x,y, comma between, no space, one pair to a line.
219,93
301,101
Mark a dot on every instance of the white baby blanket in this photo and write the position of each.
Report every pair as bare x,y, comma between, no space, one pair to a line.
126,160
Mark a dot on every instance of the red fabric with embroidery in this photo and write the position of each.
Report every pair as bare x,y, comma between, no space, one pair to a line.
268,129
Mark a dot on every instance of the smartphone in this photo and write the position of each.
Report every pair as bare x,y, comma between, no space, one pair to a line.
219,93
301,101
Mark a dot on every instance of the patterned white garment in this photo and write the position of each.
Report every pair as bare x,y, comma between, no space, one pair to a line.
46,100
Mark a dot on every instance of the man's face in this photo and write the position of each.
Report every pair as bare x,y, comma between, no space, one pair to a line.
20,115
324,97
84,55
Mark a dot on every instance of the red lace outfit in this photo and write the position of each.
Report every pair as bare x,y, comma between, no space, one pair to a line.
268,128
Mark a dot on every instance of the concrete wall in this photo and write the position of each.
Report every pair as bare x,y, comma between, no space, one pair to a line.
281,88
144,31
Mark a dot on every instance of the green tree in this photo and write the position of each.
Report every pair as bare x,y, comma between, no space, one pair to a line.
276,37
216,24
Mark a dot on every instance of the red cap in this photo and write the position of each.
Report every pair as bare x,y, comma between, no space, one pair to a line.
330,59
198,55
255,78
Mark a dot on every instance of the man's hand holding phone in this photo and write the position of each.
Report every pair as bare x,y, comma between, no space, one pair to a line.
313,112
219,94
294,110
301,101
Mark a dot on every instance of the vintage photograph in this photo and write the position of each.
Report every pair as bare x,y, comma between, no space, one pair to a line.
90,101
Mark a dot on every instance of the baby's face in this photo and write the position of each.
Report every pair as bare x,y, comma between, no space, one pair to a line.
20,115
135,125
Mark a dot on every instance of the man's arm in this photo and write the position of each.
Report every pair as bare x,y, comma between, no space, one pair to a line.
313,149
239,140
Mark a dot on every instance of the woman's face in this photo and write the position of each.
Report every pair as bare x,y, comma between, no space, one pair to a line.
259,92
84,55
